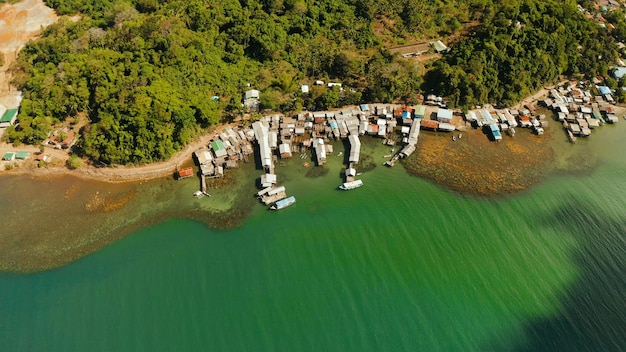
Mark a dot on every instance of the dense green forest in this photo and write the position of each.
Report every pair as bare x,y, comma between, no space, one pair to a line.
143,72
523,46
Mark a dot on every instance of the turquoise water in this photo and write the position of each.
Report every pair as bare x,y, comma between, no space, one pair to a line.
397,265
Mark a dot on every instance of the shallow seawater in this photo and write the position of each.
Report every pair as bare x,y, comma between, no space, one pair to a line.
398,264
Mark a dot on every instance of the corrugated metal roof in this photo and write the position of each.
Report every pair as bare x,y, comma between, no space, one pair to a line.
444,113
420,110
185,172
8,115
217,145
430,124
22,155
604,90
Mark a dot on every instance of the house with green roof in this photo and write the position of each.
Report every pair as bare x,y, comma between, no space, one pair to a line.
420,111
8,118
8,156
22,155
218,148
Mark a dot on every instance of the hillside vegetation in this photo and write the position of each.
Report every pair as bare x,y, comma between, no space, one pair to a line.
143,71
519,48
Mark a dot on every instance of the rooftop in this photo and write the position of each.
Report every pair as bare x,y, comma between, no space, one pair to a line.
8,115
444,113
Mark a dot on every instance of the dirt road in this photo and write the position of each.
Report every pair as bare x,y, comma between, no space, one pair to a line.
107,174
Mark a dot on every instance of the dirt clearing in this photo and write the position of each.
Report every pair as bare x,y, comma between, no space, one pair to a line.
19,23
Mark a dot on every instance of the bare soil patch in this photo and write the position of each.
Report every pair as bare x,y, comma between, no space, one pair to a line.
19,23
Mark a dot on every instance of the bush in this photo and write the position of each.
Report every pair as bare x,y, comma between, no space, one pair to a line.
74,162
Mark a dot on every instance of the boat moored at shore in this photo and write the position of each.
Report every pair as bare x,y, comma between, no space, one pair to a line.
283,203
346,186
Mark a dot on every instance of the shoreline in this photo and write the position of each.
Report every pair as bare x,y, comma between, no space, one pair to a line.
73,219
114,174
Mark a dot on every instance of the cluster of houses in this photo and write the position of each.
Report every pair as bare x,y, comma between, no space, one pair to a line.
8,117
281,136
64,138
579,110
11,156
270,192
601,7
505,120
223,152
278,136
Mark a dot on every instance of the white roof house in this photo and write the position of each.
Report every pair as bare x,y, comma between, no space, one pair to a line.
203,156
320,150
355,148
251,99
261,134
268,180
444,115
285,150
439,47
414,132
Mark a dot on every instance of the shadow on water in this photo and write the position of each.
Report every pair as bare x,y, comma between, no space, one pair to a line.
593,313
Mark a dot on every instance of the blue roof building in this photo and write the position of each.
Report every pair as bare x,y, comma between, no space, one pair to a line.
619,72
604,90
495,131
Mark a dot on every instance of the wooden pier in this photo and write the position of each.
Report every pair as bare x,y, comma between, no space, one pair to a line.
203,185
271,195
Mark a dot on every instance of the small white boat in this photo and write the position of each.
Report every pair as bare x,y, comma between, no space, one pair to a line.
340,154
198,194
346,186
453,138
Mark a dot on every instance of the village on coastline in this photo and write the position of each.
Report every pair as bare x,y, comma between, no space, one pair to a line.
309,135
580,107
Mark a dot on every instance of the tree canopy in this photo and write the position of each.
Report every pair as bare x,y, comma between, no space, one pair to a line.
520,47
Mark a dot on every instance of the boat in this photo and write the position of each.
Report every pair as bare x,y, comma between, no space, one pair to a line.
200,194
283,203
346,186
340,154
453,138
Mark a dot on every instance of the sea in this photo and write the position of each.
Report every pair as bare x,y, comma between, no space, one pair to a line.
400,264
